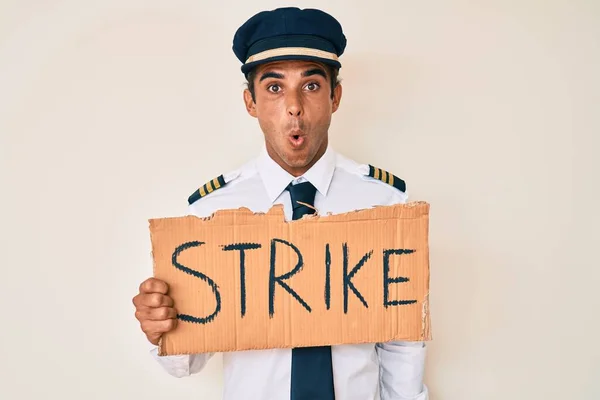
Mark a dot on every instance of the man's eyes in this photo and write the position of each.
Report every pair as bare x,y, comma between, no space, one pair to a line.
311,87
274,88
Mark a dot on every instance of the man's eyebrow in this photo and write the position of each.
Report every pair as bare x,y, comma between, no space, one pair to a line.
315,71
271,75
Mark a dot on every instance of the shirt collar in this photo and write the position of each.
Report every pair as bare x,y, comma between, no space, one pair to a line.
276,178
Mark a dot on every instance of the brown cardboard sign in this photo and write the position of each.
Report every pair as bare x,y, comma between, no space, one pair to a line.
243,280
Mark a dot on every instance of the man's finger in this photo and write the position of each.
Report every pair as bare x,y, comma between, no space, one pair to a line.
158,327
156,314
152,300
153,285
154,338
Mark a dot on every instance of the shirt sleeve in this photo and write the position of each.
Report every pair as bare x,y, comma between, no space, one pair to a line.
402,367
182,365
402,364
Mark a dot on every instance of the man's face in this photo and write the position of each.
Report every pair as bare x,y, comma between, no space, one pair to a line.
294,107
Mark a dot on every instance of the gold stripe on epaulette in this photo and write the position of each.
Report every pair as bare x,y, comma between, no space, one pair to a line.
207,188
386,177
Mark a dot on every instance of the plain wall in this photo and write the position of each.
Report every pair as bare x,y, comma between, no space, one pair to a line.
113,112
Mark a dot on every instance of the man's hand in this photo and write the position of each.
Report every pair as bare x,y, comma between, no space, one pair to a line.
154,309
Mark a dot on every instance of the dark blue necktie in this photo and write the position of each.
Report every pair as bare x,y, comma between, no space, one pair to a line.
312,370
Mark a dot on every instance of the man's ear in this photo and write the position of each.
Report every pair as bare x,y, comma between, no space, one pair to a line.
250,105
337,97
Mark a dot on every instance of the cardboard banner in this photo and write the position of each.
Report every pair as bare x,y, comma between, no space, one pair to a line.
243,281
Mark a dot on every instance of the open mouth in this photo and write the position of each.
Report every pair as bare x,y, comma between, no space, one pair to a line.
296,140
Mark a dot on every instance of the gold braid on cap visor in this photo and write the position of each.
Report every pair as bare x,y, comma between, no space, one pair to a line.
292,51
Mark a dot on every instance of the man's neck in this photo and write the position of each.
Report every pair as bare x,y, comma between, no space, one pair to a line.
299,171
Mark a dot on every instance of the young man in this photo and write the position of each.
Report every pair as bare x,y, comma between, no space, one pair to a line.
290,57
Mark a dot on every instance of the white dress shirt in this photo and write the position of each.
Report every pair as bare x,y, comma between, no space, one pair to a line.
386,371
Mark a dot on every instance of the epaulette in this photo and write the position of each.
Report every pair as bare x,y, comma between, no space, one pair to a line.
387,177
207,188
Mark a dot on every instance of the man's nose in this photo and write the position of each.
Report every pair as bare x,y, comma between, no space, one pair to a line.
294,105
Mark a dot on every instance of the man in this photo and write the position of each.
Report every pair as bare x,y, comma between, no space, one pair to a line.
291,60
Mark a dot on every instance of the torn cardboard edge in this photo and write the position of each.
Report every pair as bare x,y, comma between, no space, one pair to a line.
277,210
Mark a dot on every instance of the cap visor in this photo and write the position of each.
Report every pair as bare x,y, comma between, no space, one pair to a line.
246,68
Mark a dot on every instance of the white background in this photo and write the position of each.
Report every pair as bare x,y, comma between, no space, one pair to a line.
113,112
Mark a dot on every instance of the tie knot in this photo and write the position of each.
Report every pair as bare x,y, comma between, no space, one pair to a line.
301,194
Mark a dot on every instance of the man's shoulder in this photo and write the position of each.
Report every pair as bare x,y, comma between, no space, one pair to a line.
223,185
369,173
